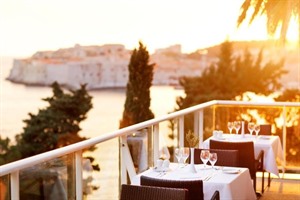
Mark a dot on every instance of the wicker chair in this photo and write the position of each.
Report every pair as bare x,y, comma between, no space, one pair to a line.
195,187
134,192
246,157
225,157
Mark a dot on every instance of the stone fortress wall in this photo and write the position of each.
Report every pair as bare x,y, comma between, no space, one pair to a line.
99,67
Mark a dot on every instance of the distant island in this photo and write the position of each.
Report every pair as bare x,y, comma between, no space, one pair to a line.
106,66
99,67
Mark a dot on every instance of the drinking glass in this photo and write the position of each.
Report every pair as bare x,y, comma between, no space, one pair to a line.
256,129
251,127
213,159
237,126
178,154
230,126
185,153
204,156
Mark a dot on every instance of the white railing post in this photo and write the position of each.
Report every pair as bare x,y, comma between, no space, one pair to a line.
181,131
284,138
196,123
14,185
123,162
126,162
201,127
155,142
214,118
78,167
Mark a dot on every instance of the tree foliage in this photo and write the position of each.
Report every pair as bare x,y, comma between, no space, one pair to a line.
8,153
293,127
52,127
278,12
56,125
137,103
231,77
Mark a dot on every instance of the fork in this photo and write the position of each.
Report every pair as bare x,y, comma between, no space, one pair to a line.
209,176
161,174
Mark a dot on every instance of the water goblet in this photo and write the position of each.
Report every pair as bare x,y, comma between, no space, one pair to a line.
237,126
256,129
213,159
185,154
251,127
204,156
230,126
178,154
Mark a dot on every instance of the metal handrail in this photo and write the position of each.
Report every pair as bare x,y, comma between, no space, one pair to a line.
27,162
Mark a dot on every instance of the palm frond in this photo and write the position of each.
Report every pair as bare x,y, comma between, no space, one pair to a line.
258,6
244,8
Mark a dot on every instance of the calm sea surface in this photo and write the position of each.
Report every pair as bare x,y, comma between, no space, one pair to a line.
17,100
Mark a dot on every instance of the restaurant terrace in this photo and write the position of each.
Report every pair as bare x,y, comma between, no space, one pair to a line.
61,173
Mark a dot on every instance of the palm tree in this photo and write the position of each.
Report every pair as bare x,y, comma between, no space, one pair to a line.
279,14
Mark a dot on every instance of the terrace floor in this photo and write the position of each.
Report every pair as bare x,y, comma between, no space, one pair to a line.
287,188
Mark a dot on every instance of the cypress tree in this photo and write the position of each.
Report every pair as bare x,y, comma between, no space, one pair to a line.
137,104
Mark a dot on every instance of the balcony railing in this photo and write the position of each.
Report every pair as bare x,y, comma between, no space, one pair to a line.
205,118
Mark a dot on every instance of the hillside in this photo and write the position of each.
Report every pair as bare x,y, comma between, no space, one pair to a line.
271,51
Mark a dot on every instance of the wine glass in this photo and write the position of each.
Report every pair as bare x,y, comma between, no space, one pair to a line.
185,154
213,159
178,154
251,127
256,129
230,126
237,126
204,156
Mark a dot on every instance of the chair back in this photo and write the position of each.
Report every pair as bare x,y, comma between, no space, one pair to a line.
135,192
246,157
265,129
195,187
225,157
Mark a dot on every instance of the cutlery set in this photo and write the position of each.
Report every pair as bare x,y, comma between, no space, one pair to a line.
161,174
209,176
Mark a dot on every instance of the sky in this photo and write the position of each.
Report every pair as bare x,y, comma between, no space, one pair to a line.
28,26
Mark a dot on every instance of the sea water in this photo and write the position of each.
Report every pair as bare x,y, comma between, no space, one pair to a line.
17,100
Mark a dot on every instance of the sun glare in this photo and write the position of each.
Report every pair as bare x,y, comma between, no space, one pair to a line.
293,31
251,96
291,113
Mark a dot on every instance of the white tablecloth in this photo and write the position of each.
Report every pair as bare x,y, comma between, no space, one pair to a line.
230,186
271,146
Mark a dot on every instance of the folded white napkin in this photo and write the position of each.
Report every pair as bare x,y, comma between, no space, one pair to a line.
190,176
230,170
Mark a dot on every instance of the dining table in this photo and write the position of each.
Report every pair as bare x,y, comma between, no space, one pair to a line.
231,182
270,144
